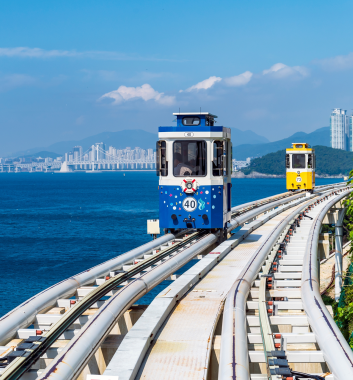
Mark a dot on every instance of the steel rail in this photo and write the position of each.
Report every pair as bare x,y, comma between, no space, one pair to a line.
69,363
336,350
234,359
79,350
265,327
122,364
239,220
132,255
21,364
75,312
24,314
245,207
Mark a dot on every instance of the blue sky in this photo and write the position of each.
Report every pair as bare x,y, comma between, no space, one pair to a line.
71,69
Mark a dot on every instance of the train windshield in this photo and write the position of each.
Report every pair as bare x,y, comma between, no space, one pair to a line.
189,158
191,120
298,161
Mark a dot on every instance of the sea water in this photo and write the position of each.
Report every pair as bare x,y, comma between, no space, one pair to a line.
53,226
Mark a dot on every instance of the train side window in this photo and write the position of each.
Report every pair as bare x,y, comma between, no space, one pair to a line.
191,121
217,163
298,161
287,161
310,161
189,158
161,159
230,157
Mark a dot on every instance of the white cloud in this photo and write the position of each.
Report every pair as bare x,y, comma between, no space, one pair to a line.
8,82
203,85
238,80
145,92
340,62
26,52
280,70
80,120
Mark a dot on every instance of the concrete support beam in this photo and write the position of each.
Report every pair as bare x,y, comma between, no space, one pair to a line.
331,217
324,246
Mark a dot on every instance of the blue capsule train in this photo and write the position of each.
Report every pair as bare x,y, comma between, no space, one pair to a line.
194,164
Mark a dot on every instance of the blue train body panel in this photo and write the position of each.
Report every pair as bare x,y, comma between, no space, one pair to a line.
209,202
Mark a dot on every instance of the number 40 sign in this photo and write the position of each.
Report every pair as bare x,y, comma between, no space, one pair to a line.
189,204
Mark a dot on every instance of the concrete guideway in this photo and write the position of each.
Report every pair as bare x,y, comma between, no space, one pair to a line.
24,315
84,293
336,350
287,326
88,340
45,319
183,347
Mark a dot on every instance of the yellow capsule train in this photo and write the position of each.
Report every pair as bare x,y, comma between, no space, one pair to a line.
300,167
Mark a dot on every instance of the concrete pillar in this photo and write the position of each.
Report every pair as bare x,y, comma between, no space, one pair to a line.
338,253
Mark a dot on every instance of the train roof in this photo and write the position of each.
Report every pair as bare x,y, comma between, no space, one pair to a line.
193,114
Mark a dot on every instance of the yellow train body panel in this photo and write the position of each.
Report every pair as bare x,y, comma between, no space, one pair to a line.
302,181
300,167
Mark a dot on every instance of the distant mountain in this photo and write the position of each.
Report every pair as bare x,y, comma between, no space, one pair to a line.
247,137
329,161
319,137
131,138
119,140
42,154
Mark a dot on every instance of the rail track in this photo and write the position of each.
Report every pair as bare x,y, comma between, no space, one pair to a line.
86,295
267,330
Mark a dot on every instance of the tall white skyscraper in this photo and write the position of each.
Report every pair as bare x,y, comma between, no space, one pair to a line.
150,154
100,147
77,150
340,129
92,153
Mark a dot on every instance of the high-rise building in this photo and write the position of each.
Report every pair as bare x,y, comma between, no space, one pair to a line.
150,154
92,153
77,152
68,155
100,147
350,147
340,129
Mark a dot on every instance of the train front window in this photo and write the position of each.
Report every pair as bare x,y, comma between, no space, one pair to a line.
191,121
298,161
189,158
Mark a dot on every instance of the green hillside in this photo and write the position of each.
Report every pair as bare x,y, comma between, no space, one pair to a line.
328,161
